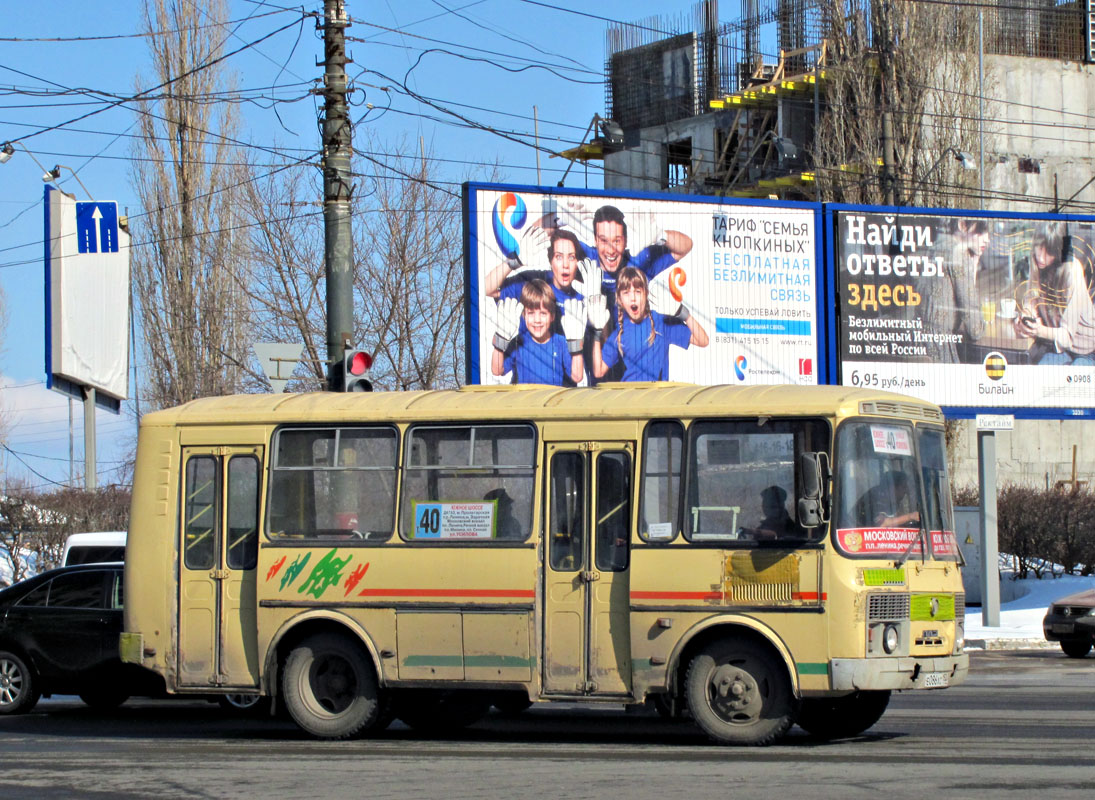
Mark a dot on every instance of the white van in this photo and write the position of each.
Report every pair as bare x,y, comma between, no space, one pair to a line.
94,548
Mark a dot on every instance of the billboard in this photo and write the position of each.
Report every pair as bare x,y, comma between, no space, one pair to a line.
87,296
985,311
576,288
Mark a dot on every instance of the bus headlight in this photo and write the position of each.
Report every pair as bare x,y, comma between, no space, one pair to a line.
959,637
890,639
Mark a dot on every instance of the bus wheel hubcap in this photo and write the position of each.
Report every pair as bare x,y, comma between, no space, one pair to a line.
735,695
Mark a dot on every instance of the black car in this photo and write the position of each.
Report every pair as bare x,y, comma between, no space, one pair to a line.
59,635
1071,621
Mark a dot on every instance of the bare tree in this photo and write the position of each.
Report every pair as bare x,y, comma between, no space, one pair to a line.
20,523
286,290
409,276
408,268
188,264
916,61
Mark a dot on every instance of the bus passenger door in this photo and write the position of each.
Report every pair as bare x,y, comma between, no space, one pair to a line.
587,637
218,552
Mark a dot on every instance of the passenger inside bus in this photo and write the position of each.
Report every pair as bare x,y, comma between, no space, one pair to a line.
777,523
507,526
888,504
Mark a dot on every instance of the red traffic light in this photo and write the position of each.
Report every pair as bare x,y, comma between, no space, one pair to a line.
358,363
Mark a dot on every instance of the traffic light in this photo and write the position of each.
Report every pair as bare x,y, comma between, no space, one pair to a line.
355,365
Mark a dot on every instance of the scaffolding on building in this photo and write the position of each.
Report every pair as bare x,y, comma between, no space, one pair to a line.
663,70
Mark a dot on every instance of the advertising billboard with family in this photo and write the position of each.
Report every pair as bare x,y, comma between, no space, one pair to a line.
571,289
965,310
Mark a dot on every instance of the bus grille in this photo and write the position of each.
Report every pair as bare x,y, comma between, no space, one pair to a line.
960,607
888,606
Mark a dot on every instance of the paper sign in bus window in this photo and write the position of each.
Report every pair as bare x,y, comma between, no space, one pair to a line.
465,521
891,440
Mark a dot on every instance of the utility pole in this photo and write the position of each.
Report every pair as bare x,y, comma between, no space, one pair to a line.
337,190
886,68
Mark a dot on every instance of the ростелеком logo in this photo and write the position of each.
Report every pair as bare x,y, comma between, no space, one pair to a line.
509,208
739,367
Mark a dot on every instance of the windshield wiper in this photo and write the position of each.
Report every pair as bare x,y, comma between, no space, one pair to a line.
922,539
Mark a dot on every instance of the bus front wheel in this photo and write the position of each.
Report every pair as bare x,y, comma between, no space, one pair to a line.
842,717
739,693
330,688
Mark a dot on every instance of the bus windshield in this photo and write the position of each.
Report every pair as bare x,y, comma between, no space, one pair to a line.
880,511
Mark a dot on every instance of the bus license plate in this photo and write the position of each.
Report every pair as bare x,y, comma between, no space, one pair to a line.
935,680
1063,627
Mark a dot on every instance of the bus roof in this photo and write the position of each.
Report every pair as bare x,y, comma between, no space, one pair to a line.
606,401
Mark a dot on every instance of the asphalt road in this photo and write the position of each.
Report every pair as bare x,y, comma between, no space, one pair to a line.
1023,725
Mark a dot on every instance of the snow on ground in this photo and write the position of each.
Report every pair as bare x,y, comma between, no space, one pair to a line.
1023,603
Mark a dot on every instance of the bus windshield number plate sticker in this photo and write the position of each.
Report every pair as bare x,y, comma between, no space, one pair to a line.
891,440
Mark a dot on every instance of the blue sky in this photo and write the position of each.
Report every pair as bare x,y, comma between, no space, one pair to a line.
483,59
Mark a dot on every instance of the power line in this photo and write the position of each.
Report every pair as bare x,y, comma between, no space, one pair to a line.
114,36
139,95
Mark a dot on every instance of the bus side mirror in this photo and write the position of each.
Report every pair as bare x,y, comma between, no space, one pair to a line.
813,509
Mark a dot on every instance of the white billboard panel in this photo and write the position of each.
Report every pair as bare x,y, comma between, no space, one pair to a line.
981,311
575,289
87,294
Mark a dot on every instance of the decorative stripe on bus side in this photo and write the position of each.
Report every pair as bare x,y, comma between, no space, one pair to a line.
523,593
711,596
812,667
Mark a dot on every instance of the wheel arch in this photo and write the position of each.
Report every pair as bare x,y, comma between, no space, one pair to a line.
296,629
724,627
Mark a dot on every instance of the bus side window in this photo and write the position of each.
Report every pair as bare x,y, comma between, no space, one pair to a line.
613,518
663,446
483,470
334,483
243,512
200,512
567,531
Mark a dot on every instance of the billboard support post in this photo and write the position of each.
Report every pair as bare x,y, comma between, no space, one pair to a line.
90,482
990,571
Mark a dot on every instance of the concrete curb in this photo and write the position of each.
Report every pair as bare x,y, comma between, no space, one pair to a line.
1010,644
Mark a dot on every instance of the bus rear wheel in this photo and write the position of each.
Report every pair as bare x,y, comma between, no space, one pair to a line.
330,688
842,717
739,694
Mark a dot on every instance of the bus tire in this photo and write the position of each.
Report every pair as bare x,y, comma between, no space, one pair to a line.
330,688
18,684
842,717
738,693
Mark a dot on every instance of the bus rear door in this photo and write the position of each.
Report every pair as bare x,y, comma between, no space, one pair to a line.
218,552
587,637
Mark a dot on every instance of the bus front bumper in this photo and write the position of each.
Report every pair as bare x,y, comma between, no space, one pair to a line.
868,674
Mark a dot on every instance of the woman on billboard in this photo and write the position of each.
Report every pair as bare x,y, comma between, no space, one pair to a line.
1056,309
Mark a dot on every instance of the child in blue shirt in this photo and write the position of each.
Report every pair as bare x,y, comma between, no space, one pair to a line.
526,343
642,335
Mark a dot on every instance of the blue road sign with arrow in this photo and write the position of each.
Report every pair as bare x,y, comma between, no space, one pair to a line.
97,227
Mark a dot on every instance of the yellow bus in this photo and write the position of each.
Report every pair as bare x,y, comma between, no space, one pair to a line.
755,557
